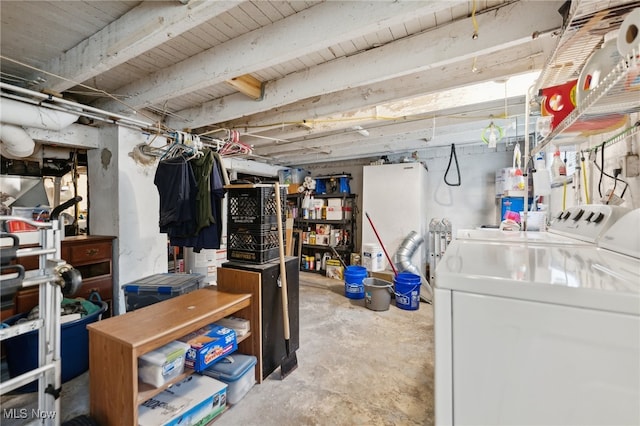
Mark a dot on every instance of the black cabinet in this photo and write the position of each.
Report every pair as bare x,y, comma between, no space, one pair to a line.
264,280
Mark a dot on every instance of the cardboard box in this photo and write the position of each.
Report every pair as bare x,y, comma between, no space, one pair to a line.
240,325
195,400
293,188
509,183
323,229
347,212
322,240
334,209
208,345
383,275
335,269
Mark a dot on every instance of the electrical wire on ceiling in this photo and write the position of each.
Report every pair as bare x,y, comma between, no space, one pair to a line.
403,119
474,36
230,145
474,21
103,92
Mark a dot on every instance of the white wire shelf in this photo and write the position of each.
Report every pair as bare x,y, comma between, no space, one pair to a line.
587,23
616,94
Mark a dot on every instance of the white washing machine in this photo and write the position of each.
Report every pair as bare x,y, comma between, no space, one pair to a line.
540,334
576,225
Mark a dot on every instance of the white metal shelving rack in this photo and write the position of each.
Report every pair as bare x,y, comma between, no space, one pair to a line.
47,277
584,31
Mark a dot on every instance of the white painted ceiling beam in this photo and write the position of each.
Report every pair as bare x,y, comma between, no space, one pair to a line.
505,27
465,134
413,108
448,123
395,145
308,31
148,25
73,136
490,67
250,167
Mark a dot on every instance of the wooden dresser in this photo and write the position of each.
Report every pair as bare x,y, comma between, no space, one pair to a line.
92,255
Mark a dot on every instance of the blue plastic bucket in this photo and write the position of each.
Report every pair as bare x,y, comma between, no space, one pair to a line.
407,290
353,281
22,350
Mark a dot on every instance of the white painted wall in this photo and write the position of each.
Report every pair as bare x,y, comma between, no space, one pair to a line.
469,205
614,158
125,202
473,203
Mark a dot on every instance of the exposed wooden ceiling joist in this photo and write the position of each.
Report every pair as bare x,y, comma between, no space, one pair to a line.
310,30
505,27
143,28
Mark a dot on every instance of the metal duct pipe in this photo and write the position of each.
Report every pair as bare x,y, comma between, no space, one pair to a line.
402,257
402,260
27,115
16,143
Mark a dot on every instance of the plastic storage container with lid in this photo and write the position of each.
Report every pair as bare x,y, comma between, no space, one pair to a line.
238,372
158,287
22,350
163,364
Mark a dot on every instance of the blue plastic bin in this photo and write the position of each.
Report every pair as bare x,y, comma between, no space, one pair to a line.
237,371
22,351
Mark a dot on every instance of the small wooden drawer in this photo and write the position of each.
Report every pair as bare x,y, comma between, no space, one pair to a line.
27,299
89,252
101,285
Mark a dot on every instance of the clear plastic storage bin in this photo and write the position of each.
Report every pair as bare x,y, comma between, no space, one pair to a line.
158,287
163,364
238,372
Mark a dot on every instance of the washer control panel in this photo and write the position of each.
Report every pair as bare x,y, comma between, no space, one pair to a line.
587,222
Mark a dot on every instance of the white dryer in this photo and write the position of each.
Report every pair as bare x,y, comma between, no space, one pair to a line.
544,334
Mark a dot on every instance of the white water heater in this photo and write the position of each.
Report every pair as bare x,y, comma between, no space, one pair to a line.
394,197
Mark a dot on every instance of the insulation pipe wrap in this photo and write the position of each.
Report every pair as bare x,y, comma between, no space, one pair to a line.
16,143
402,258
28,115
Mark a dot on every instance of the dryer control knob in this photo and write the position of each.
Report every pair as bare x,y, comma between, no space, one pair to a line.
578,215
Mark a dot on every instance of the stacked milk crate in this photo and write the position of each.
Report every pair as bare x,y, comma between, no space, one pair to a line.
252,227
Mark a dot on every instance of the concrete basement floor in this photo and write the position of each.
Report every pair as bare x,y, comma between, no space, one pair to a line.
355,367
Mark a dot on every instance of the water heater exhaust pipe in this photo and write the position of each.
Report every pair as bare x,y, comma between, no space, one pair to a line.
402,260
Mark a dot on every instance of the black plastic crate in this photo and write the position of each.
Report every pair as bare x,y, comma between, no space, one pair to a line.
250,256
250,243
254,206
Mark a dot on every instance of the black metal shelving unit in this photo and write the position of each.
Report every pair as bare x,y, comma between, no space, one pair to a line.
347,227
